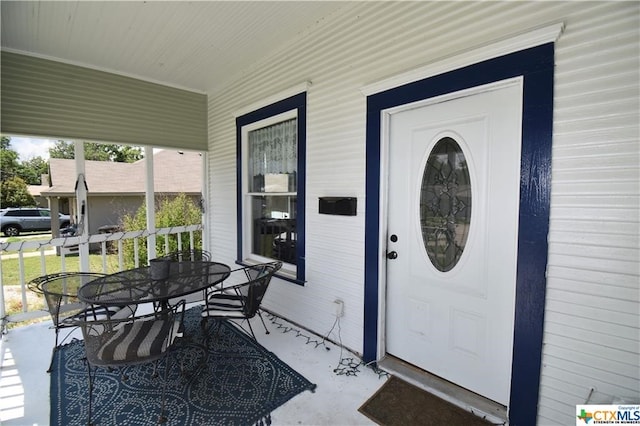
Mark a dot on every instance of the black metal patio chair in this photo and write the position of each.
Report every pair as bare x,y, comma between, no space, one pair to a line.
114,343
60,291
241,301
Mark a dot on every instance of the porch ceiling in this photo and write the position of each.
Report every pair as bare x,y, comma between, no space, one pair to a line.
199,46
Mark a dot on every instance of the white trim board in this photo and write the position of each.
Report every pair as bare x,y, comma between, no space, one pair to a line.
292,91
526,40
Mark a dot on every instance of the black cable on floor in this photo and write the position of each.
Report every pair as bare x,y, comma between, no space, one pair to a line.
347,366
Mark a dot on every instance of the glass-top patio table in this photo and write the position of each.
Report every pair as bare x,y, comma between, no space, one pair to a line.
158,283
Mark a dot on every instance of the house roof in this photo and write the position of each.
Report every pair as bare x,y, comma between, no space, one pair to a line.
174,172
35,190
199,46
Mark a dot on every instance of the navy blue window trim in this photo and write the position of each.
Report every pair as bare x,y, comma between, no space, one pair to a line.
299,103
536,65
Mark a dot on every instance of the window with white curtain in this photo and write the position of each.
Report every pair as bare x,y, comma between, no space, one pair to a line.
271,216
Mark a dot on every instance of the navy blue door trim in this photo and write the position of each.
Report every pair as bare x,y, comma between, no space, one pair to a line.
536,65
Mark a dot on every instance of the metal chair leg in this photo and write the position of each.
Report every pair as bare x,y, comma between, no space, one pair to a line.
53,354
251,329
207,330
91,380
162,418
266,331
204,327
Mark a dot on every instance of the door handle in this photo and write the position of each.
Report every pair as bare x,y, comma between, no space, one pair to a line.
392,255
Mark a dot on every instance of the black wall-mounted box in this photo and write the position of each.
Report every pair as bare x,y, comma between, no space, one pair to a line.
344,206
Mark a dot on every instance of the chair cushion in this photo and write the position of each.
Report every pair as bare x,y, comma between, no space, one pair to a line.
213,313
136,340
224,305
228,302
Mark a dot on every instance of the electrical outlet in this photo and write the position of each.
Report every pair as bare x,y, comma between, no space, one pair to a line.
339,307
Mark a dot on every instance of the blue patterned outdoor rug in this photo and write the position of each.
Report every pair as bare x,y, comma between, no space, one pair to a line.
241,383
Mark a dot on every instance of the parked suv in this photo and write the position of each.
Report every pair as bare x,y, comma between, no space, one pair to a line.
13,221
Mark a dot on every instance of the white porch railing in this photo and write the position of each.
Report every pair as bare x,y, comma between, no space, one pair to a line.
69,245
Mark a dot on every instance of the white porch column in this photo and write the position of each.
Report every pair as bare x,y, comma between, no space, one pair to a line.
150,202
82,213
54,207
204,195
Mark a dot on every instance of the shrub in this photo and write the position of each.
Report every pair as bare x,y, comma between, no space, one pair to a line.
171,211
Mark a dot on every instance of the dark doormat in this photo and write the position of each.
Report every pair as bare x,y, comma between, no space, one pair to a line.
400,403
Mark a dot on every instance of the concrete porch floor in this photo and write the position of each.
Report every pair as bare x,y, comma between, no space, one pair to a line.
24,383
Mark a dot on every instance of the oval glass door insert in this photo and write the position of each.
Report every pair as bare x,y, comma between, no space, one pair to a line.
445,204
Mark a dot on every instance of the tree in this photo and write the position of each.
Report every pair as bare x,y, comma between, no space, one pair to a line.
177,211
13,189
8,160
31,171
5,142
14,193
63,150
125,153
97,152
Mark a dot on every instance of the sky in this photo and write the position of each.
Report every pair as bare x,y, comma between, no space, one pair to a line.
28,148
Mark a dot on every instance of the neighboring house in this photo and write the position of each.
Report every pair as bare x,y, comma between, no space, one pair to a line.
532,300
116,189
36,192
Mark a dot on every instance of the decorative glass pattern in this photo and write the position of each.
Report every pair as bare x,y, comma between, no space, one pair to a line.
445,204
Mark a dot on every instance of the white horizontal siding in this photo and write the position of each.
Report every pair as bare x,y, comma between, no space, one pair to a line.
46,98
592,337
593,301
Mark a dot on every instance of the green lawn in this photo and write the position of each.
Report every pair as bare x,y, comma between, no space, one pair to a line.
53,264
32,269
29,236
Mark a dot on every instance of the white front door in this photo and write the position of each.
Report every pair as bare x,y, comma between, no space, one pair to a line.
452,227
